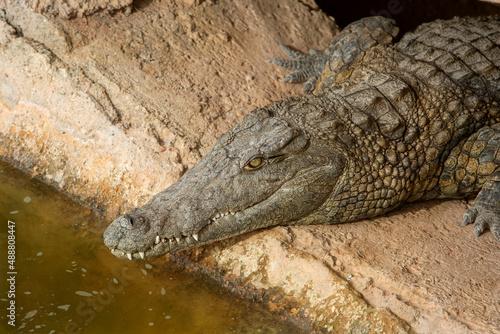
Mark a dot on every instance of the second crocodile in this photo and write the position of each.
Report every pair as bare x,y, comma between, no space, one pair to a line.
386,123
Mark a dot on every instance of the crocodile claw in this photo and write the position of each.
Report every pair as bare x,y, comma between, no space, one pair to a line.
485,210
303,67
483,218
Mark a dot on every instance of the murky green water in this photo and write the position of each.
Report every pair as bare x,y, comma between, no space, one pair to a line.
66,280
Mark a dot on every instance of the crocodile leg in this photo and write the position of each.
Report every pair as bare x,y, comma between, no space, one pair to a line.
303,67
485,210
474,165
356,38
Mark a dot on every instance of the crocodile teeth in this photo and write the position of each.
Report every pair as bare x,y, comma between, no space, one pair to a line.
170,242
129,255
178,240
141,254
222,215
195,236
157,240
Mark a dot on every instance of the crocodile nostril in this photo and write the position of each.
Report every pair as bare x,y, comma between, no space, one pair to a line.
126,222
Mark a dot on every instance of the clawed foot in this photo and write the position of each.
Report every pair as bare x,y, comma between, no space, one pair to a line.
303,67
482,219
485,211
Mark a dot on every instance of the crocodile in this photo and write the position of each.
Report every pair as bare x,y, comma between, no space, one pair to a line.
383,122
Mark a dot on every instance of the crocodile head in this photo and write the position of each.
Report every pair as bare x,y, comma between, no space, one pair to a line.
263,172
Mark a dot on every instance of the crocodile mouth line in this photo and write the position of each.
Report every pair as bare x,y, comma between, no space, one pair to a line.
162,242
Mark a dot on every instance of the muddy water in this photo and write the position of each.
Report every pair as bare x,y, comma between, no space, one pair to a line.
66,281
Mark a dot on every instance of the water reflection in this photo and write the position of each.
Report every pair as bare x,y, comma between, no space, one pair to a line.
66,281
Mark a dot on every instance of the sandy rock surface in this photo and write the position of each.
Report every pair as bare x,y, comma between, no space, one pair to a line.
418,263
113,109
72,8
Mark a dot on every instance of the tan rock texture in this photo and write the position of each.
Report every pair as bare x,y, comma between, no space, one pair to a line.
68,9
111,109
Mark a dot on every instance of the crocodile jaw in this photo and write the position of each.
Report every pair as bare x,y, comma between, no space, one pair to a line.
151,240
160,244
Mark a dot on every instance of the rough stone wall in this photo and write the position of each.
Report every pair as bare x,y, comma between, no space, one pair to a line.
113,109
68,9
125,104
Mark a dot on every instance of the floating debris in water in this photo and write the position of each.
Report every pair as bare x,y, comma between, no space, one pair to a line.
148,266
39,254
83,293
163,292
168,317
14,212
64,307
30,314
151,324
144,272
27,199
27,292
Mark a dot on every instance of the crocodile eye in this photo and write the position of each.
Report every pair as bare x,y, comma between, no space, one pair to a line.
255,163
